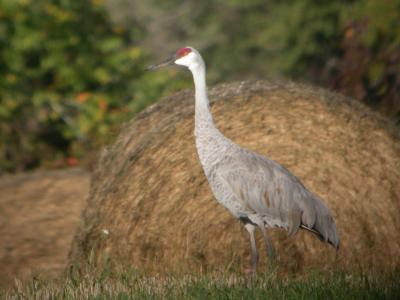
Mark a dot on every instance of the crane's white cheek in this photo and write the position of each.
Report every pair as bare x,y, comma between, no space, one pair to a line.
186,60
182,61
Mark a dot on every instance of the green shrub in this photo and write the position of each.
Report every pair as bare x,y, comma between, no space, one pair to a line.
67,76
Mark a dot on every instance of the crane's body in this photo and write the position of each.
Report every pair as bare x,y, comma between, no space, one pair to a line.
256,190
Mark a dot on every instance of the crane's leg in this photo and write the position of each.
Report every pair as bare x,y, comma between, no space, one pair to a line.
268,245
254,253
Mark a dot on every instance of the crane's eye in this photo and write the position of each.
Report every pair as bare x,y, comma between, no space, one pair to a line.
183,52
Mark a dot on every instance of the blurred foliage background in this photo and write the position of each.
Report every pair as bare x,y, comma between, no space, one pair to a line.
72,71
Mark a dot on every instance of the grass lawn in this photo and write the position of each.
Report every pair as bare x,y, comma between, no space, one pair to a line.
134,285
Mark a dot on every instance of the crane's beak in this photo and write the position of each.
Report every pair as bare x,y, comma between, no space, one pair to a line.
164,63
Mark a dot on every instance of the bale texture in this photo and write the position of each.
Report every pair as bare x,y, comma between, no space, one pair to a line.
150,205
39,214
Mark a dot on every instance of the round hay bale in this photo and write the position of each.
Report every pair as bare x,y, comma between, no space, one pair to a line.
150,205
39,213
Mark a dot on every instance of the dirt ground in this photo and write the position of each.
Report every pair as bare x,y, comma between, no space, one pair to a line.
150,205
39,213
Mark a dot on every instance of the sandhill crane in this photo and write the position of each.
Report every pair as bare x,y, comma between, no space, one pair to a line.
256,190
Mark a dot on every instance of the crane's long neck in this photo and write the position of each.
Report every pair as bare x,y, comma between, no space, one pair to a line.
210,142
203,117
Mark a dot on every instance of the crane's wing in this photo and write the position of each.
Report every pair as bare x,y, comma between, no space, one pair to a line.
265,188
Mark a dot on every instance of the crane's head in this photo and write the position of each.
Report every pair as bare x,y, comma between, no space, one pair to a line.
188,57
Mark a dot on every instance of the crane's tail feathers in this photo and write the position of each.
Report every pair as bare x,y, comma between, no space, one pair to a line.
317,218
332,241
319,236
294,223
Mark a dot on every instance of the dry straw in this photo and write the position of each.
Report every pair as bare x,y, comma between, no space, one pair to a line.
149,193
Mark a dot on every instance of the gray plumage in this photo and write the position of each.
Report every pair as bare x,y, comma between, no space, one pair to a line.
256,190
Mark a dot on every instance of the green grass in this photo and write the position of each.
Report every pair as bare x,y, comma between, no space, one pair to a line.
133,285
